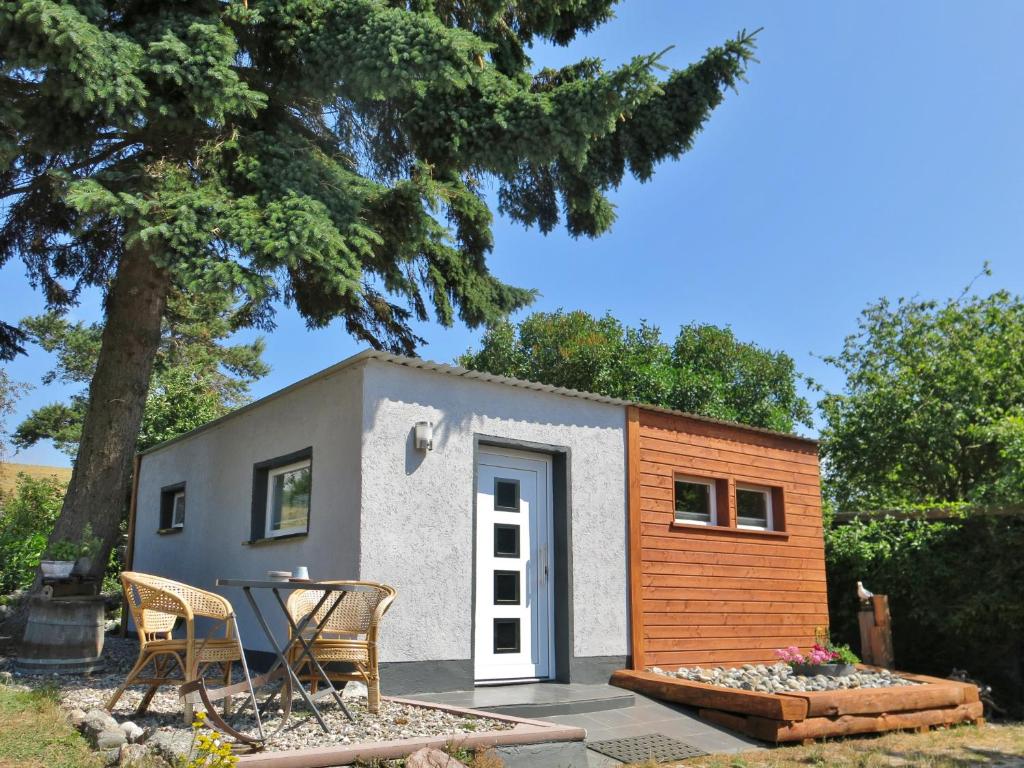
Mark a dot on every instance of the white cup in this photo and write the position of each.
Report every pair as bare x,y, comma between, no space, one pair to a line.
301,572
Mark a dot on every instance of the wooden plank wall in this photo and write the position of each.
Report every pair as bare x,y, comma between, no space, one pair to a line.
719,595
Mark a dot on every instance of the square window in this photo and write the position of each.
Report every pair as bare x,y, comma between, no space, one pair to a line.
288,495
695,501
506,495
506,587
506,540
753,508
172,507
506,635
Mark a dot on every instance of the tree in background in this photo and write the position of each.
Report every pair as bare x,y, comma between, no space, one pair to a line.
10,391
327,153
933,407
197,376
27,516
705,371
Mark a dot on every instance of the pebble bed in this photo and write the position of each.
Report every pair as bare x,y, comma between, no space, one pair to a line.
165,720
779,678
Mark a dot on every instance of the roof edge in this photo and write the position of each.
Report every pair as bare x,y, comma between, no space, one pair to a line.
455,370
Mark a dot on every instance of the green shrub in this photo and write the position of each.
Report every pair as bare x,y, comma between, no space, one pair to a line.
27,517
956,592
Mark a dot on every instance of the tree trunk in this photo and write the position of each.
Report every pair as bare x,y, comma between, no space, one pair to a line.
101,478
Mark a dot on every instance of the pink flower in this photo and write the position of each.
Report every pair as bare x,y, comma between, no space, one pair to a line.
790,655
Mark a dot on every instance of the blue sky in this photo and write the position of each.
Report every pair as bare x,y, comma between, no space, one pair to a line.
875,151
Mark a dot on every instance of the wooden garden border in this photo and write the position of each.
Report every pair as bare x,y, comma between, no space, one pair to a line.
808,715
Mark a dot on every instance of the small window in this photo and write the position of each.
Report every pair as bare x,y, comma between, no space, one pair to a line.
695,501
753,507
506,635
288,494
172,507
506,495
506,540
506,587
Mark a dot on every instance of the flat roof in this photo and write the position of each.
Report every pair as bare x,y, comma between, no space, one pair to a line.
466,373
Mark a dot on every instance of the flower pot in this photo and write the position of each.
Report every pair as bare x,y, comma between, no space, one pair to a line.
82,565
57,569
837,669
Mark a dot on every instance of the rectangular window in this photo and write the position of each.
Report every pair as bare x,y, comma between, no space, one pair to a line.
282,496
753,507
506,495
506,540
288,493
172,507
506,587
695,501
506,635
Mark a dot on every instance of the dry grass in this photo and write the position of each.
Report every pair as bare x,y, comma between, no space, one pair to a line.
35,734
994,746
9,474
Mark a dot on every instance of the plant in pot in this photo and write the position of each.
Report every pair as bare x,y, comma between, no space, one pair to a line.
823,659
87,549
59,559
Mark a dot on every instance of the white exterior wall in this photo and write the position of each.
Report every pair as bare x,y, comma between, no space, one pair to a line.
217,466
417,521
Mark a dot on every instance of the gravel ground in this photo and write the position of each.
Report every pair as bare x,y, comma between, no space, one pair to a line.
394,721
779,678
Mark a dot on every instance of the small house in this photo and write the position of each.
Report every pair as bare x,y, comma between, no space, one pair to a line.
532,532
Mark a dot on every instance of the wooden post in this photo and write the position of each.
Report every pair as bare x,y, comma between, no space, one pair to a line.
636,608
876,632
129,549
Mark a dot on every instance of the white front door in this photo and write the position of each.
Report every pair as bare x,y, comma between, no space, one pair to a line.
513,583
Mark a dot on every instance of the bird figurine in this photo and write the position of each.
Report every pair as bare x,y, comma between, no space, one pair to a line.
862,593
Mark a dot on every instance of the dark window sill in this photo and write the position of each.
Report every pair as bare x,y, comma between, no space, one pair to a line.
718,530
274,539
169,531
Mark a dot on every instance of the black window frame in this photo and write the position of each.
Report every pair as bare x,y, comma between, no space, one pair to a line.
260,475
502,508
513,621
518,551
517,575
167,494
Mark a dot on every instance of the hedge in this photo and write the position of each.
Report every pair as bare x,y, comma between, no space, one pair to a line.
956,592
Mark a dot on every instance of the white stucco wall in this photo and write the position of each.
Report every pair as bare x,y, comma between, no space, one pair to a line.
417,510
217,466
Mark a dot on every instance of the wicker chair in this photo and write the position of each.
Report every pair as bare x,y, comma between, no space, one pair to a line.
156,604
350,634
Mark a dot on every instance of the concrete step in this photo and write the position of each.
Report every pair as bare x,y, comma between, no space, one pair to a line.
536,700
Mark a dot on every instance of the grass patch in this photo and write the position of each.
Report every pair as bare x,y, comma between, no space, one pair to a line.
995,746
35,734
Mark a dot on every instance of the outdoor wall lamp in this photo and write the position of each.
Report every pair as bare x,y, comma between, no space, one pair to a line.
424,436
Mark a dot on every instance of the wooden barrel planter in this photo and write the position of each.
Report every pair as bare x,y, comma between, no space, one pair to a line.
63,634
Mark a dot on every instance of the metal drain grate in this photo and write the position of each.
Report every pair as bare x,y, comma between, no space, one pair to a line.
651,746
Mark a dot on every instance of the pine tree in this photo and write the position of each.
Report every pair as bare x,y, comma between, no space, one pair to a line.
327,153
198,374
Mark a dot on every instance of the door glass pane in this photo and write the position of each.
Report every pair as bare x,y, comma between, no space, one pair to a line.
506,540
752,507
506,495
506,587
693,501
506,635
